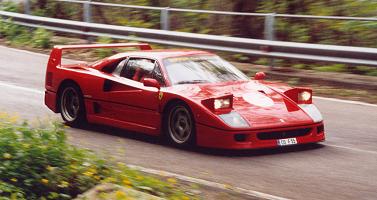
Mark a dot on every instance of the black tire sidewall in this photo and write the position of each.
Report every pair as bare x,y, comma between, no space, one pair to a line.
80,120
191,141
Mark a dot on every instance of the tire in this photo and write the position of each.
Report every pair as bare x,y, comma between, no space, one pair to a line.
72,108
180,125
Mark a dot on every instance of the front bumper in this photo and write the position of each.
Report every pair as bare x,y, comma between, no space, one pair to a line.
254,139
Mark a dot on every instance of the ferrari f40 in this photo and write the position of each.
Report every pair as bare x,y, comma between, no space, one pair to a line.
189,96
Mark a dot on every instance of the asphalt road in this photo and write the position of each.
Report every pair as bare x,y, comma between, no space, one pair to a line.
343,167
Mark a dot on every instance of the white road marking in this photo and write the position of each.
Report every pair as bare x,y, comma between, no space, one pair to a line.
345,101
25,51
9,85
352,149
252,193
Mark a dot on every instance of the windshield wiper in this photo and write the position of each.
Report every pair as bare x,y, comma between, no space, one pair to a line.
192,81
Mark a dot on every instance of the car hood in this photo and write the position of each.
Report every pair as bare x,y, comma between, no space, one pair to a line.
260,105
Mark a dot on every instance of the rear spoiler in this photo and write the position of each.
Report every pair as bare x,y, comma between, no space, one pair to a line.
57,51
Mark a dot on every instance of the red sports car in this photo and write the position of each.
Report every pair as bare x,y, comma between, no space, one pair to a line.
189,96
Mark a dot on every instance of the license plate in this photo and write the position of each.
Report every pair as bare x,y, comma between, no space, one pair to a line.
288,141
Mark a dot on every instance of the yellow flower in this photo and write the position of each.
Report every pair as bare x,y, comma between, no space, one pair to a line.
120,194
63,184
49,168
93,170
139,178
97,177
172,180
14,180
88,173
44,181
126,182
109,180
7,156
185,198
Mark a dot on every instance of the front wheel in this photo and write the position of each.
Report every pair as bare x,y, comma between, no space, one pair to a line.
72,105
180,125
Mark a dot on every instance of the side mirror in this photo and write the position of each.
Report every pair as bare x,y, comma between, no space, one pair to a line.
259,76
150,82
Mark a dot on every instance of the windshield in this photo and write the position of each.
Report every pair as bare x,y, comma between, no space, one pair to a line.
201,69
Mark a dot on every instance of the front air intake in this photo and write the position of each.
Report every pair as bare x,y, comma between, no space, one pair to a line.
275,135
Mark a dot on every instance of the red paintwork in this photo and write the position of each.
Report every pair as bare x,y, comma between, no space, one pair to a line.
134,106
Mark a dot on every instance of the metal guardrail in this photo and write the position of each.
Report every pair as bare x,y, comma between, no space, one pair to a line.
255,47
269,18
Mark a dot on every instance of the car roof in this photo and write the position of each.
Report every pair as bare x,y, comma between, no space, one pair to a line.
159,54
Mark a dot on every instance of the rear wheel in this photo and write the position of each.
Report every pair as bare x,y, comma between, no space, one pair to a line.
180,125
72,105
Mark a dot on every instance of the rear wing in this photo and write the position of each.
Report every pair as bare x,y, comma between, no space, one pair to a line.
57,52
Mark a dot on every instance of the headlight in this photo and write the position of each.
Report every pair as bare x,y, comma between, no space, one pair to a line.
234,119
304,96
221,103
300,95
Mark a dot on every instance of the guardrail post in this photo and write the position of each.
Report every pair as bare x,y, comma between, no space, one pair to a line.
269,23
87,11
269,33
87,17
27,7
164,19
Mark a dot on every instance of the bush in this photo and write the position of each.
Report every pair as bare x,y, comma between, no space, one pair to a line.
15,34
103,53
38,163
9,6
332,68
19,35
10,192
41,38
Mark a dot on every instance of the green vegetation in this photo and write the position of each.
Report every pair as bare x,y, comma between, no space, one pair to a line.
9,6
41,38
18,35
103,53
36,162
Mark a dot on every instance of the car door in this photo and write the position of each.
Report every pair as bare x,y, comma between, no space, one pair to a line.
127,100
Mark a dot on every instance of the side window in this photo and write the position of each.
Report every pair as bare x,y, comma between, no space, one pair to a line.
139,68
156,74
120,66
112,67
